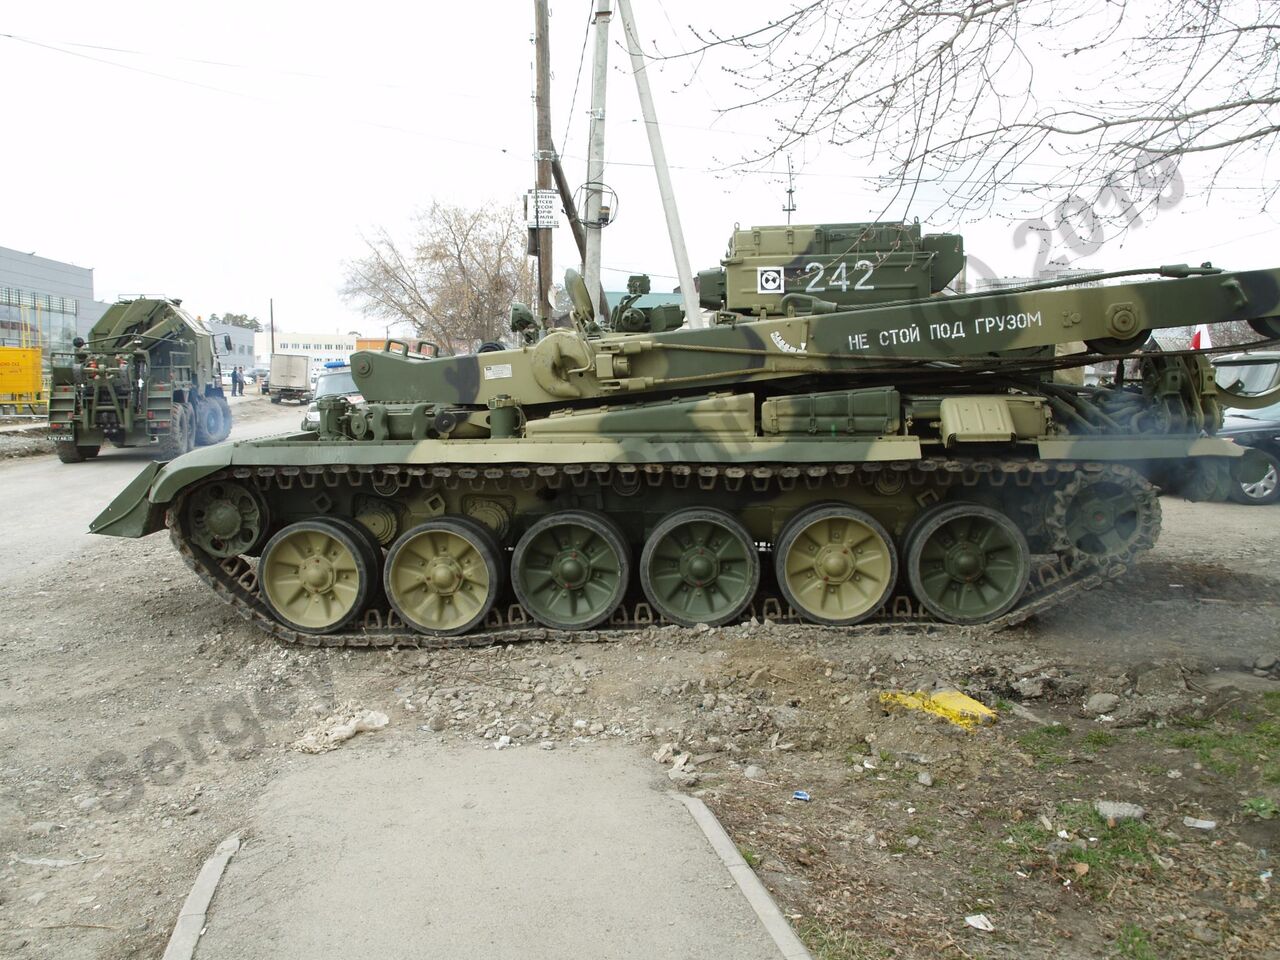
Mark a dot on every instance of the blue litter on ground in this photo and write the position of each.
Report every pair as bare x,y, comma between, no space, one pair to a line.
801,795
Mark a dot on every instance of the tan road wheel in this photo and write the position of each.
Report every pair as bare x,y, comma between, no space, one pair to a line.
372,550
570,570
835,564
442,576
966,563
700,566
314,576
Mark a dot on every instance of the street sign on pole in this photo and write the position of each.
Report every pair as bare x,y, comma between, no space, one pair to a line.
540,210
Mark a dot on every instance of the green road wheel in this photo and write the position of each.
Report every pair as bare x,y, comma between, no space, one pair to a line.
836,565
700,566
966,563
570,570
313,576
226,518
442,576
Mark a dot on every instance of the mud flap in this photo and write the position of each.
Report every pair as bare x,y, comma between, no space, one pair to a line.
131,513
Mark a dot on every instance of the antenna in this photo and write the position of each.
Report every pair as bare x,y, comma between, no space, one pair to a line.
790,206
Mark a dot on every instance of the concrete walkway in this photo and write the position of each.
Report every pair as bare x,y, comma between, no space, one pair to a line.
445,850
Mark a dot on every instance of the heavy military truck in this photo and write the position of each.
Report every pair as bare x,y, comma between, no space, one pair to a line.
148,375
896,461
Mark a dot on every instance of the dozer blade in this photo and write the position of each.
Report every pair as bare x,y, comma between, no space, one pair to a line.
132,514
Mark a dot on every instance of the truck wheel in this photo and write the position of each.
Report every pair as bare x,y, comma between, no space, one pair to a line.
208,421
68,452
189,427
90,452
173,444
224,411
275,398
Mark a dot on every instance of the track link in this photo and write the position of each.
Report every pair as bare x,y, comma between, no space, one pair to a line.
1054,578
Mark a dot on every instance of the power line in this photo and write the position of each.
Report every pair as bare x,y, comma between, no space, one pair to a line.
577,81
58,45
248,96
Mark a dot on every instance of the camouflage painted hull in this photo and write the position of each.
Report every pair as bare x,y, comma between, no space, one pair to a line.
903,462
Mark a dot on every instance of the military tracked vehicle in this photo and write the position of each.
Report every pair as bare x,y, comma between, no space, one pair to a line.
902,460
147,375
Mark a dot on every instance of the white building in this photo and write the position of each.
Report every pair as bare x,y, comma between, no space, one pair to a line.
322,348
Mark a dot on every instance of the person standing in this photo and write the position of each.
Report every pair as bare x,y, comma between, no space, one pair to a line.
235,381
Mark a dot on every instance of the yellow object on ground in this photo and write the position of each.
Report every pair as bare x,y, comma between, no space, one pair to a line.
951,705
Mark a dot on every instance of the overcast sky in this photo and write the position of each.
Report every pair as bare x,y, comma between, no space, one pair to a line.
235,152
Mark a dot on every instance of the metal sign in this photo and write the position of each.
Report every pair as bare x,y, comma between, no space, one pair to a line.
19,371
540,210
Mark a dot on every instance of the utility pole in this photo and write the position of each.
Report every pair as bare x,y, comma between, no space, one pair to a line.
271,312
692,310
595,147
575,224
790,206
542,94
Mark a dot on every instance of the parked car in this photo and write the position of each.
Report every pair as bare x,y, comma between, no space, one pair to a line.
332,381
1257,476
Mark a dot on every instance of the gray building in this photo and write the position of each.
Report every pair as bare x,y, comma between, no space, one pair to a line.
43,302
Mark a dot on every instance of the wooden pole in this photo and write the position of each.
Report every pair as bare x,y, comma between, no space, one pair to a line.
546,151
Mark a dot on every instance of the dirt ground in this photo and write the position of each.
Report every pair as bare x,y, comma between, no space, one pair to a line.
139,718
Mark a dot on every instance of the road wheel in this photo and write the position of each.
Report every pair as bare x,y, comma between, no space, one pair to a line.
966,563
68,452
314,576
275,398
372,553
1264,486
700,566
208,421
443,576
835,564
224,424
570,570
90,452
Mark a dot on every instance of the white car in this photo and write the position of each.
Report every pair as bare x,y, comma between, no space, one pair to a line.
332,382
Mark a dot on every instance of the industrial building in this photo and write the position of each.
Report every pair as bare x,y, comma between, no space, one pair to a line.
44,303
321,348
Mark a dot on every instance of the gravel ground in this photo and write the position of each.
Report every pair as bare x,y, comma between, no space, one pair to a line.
140,719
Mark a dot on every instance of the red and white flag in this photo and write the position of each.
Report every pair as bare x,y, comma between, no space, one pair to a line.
1200,339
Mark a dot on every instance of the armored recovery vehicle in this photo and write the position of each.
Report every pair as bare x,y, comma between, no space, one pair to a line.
901,460
147,375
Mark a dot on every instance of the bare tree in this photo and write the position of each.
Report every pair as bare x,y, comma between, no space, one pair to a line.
454,282
1081,102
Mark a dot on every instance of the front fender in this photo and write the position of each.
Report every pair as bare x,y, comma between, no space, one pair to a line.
139,509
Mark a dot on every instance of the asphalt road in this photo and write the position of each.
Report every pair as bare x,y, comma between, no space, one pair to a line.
49,504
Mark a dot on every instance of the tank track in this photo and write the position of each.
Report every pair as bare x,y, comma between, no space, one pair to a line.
1054,578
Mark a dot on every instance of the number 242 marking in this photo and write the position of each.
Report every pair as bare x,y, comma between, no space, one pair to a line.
839,277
